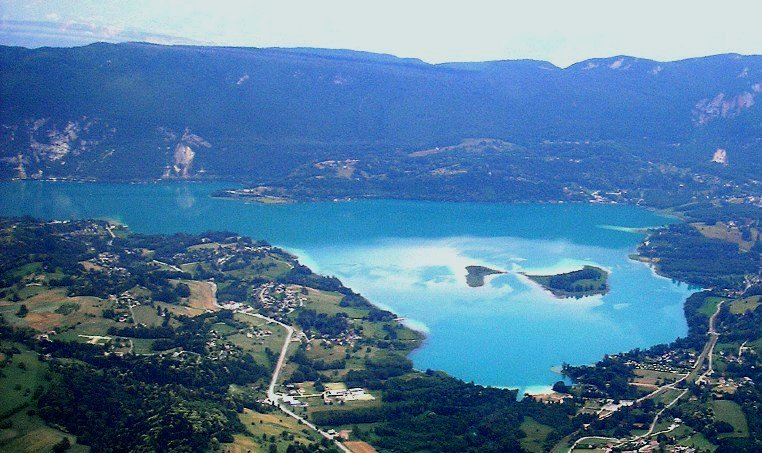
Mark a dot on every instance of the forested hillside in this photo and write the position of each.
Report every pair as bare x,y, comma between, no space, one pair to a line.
141,111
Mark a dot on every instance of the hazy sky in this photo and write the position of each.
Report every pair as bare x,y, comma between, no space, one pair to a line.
560,31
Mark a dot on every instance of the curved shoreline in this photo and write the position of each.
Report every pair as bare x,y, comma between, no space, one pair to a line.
180,183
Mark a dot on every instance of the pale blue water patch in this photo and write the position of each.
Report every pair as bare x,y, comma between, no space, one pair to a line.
510,332
410,257
626,229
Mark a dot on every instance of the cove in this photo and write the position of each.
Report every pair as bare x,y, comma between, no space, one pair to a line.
410,257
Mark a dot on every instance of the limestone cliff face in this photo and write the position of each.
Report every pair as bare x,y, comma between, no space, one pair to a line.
181,163
36,146
183,160
724,106
720,156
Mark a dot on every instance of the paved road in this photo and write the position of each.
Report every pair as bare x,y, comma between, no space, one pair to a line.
276,398
578,441
706,354
708,351
281,358
271,395
652,427
338,444
171,266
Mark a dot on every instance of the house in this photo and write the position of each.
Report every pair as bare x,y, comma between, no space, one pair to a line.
293,402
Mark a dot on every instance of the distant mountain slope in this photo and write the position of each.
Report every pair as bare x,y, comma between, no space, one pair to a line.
141,111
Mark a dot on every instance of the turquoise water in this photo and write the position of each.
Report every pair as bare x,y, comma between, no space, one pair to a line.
410,257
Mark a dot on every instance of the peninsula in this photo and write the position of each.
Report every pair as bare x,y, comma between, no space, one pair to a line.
588,281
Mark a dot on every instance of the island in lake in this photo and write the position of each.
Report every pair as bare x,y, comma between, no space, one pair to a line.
476,274
588,281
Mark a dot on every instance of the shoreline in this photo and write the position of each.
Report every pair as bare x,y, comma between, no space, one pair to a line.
424,334
327,199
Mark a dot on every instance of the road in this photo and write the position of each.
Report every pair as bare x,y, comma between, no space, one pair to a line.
708,351
652,427
274,397
706,354
578,441
132,313
171,266
111,233
271,395
740,348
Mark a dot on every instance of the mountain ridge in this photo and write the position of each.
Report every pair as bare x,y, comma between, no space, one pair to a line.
96,110
381,56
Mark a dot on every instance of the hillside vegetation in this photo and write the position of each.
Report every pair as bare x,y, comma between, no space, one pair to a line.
326,124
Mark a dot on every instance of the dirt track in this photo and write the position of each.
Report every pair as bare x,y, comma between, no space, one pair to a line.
203,295
358,446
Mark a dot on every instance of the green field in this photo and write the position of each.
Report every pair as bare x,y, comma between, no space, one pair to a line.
51,308
721,351
193,268
730,412
667,396
19,378
142,345
270,268
710,306
30,291
328,302
223,329
699,442
256,346
655,377
208,245
279,269
741,306
27,269
145,314
535,435
726,347
266,429
22,379
317,405
31,435
326,353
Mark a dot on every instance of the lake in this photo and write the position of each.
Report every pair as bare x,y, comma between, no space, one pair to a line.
410,257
